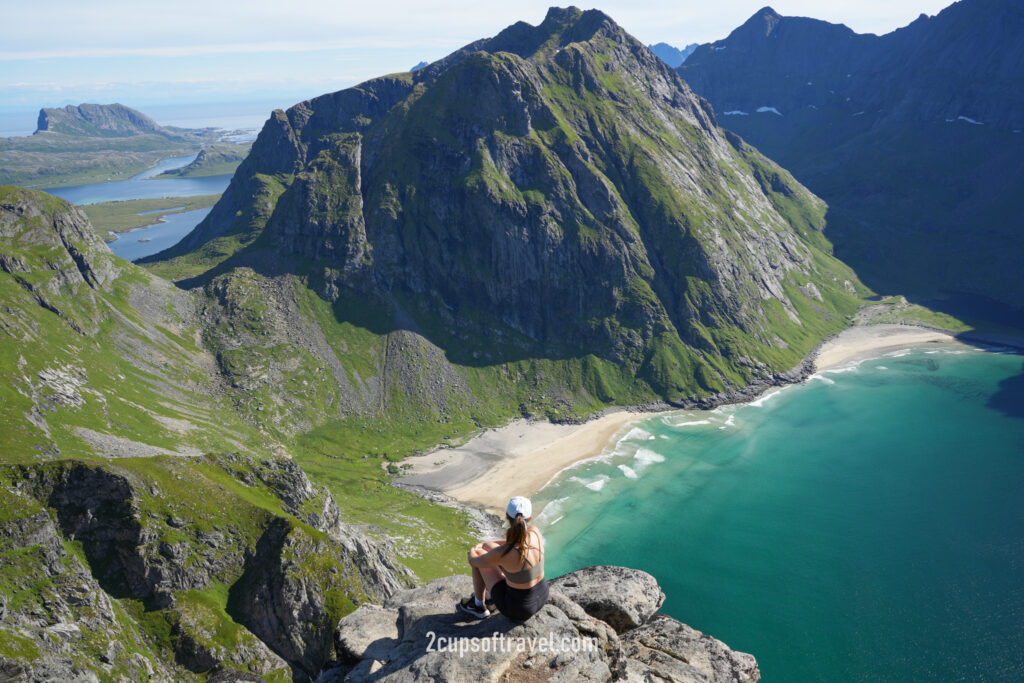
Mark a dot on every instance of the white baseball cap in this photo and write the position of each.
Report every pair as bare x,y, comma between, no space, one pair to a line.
519,506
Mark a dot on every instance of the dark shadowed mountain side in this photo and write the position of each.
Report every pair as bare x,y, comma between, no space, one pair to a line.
913,138
671,55
551,208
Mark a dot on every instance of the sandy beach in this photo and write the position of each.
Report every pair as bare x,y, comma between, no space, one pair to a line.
521,457
857,343
517,459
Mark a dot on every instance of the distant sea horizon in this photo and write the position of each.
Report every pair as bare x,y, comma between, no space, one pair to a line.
866,524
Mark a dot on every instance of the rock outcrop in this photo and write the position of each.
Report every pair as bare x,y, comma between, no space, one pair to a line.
35,228
417,635
232,586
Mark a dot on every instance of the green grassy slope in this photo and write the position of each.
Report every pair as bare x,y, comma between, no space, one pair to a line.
104,370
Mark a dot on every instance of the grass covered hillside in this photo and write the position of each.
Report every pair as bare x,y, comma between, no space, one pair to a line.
144,519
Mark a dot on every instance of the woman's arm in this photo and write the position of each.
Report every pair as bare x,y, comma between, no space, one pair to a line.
492,558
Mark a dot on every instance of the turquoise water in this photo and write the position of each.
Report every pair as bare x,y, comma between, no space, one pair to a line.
157,237
866,525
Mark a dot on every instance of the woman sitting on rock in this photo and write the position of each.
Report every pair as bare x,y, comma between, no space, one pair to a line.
511,572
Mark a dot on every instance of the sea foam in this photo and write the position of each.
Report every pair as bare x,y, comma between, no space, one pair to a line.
628,471
645,458
638,434
552,510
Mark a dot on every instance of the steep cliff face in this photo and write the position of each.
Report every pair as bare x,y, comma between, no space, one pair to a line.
913,138
556,192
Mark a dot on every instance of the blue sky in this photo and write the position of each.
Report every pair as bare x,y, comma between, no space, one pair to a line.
149,54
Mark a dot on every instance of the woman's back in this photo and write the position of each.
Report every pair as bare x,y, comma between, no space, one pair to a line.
523,568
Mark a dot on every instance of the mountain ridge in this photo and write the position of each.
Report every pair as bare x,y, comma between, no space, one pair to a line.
671,55
910,137
541,139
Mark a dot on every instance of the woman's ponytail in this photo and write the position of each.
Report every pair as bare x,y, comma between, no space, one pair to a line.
515,537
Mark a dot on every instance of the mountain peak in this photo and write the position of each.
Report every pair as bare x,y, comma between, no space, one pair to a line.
764,19
561,26
562,15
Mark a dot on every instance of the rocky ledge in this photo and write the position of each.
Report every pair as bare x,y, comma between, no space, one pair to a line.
601,623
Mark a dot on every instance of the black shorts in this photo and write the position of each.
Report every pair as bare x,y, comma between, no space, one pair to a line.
519,604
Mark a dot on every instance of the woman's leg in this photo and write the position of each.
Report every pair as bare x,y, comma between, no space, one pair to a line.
484,577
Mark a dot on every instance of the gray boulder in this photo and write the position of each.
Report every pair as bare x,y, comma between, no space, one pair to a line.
666,649
624,598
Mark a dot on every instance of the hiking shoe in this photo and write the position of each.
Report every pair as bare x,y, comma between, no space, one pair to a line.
468,605
489,604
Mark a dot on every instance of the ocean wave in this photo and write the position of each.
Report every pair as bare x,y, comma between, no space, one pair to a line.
597,484
822,377
628,471
845,368
644,458
552,509
765,398
898,354
881,367
686,419
692,424
637,434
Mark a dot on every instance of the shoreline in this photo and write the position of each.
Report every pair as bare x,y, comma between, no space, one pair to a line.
523,456
528,453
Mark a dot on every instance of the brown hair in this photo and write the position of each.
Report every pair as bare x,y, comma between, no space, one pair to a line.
515,537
